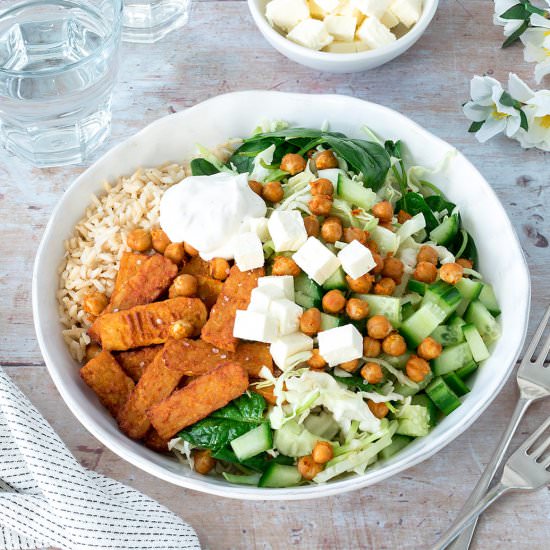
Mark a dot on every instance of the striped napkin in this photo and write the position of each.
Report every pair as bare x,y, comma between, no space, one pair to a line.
48,500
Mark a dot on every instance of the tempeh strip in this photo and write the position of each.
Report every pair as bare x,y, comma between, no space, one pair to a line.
133,362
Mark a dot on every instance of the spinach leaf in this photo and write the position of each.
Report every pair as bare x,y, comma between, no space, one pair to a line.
355,382
464,246
243,157
394,149
247,408
257,463
414,203
439,203
201,167
293,133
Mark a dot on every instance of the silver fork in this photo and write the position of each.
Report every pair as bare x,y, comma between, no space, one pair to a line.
534,383
526,470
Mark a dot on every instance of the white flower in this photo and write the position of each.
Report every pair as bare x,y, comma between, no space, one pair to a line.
486,105
537,49
510,25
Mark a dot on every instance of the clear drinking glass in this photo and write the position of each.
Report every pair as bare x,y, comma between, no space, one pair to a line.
58,66
149,20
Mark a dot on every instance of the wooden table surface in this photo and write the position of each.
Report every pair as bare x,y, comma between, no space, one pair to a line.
221,51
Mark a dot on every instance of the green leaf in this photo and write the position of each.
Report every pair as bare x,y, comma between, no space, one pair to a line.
201,167
257,463
475,126
437,203
415,203
247,408
523,118
507,99
519,11
533,9
355,382
516,34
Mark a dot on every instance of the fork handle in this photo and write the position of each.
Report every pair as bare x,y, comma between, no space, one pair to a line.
463,541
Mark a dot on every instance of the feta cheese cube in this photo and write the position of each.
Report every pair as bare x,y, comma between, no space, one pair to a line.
310,33
259,226
286,14
261,298
372,8
361,46
287,314
249,253
255,326
284,348
389,19
284,282
356,259
320,8
341,27
287,230
407,11
316,260
348,7
340,344
340,47
374,34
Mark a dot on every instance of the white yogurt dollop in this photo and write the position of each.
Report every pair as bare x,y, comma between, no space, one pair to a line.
207,211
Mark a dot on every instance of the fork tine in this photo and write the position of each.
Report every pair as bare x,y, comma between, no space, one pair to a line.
541,448
537,336
544,352
534,436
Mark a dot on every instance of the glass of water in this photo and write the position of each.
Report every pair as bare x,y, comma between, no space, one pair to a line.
58,66
150,20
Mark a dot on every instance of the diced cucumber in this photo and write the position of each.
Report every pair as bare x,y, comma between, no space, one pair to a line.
477,345
489,300
336,281
331,321
448,335
456,321
398,442
388,306
469,288
355,193
425,401
422,323
251,479
462,307
413,420
417,286
293,439
406,391
398,361
445,232
444,398
407,310
452,358
322,425
446,296
466,370
306,301
279,475
485,323
254,442
307,286
456,384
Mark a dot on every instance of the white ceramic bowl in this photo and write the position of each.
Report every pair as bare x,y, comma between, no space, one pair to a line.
340,62
173,138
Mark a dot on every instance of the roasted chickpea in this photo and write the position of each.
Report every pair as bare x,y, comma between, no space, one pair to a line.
159,240
326,159
379,263
91,351
385,287
293,163
331,230
371,347
256,186
139,240
320,205
333,301
383,210
378,327
322,452
322,186
349,366
285,266
417,368
273,191
308,468
312,225
372,373
316,361
189,250
425,272
393,268
380,410
184,285
357,309
181,329
451,273
372,245
361,285
219,269
429,349
203,462
403,216
465,263
427,253
175,252
94,303
310,322
355,234
394,344
387,225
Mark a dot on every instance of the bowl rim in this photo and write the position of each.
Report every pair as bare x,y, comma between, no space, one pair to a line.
114,442
404,42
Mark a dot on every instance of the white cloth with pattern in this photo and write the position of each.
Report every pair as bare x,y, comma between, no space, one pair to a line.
47,499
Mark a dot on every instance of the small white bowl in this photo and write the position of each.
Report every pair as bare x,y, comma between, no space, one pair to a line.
174,138
340,62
